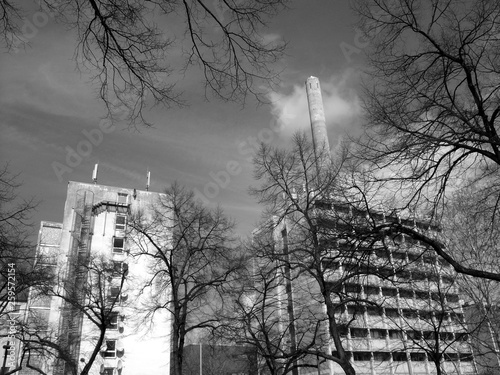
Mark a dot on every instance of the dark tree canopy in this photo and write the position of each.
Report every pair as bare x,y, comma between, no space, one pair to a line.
192,259
432,95
130,55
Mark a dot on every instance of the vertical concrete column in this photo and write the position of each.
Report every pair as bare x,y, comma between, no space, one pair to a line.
317,116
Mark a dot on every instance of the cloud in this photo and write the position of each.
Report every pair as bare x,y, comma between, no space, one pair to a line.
341,105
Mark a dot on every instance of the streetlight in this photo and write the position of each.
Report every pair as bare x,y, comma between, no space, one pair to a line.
6,347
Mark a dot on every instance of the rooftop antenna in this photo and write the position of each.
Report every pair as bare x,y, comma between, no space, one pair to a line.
149,180
94,173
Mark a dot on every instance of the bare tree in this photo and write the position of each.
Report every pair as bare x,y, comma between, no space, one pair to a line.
96,300
16,248
429,319
322,231
129,55
262,317
191,259
17,273
470,224
432,105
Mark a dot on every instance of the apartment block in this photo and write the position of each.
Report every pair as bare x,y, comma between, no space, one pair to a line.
102,294
397,306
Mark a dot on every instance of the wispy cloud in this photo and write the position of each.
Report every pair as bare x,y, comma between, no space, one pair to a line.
341,105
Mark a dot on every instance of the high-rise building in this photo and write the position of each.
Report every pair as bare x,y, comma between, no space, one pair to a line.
397,307
102,294
484,319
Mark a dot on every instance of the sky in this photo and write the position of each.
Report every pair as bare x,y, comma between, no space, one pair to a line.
48,107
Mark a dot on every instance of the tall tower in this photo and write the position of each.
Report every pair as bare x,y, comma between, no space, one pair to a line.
318,124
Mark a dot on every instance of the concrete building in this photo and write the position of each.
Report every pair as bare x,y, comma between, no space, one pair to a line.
484,320
401,314
102,290
401,310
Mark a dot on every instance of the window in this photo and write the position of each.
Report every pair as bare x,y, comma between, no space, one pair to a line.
374,290
359,332
330,264
457,317
395,334
121,222
441,315
382,254
342,330
355,310
362,356
413,257
429,335
340,309
417,357
403,274
422,295
374,310
114,293
118,244
418,276
434,278
465,357
414,335
446,336
108,371
112,322
425,315
452,297
352,288
110,351
437,297
385,272
381,356
119,269
411,314
448,279
450,357
405,293
389,292
378,333
391,313
462,336
399,356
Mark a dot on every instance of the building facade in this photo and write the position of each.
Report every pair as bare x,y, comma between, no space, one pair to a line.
99,309
485,340
396,304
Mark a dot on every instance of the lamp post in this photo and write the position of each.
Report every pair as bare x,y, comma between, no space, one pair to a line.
6,347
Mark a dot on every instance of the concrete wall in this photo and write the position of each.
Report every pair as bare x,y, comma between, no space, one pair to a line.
142,338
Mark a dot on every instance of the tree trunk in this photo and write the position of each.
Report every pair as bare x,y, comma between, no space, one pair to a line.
335,335
176,356
96,350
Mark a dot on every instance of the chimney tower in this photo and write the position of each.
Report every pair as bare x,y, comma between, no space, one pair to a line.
318,123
